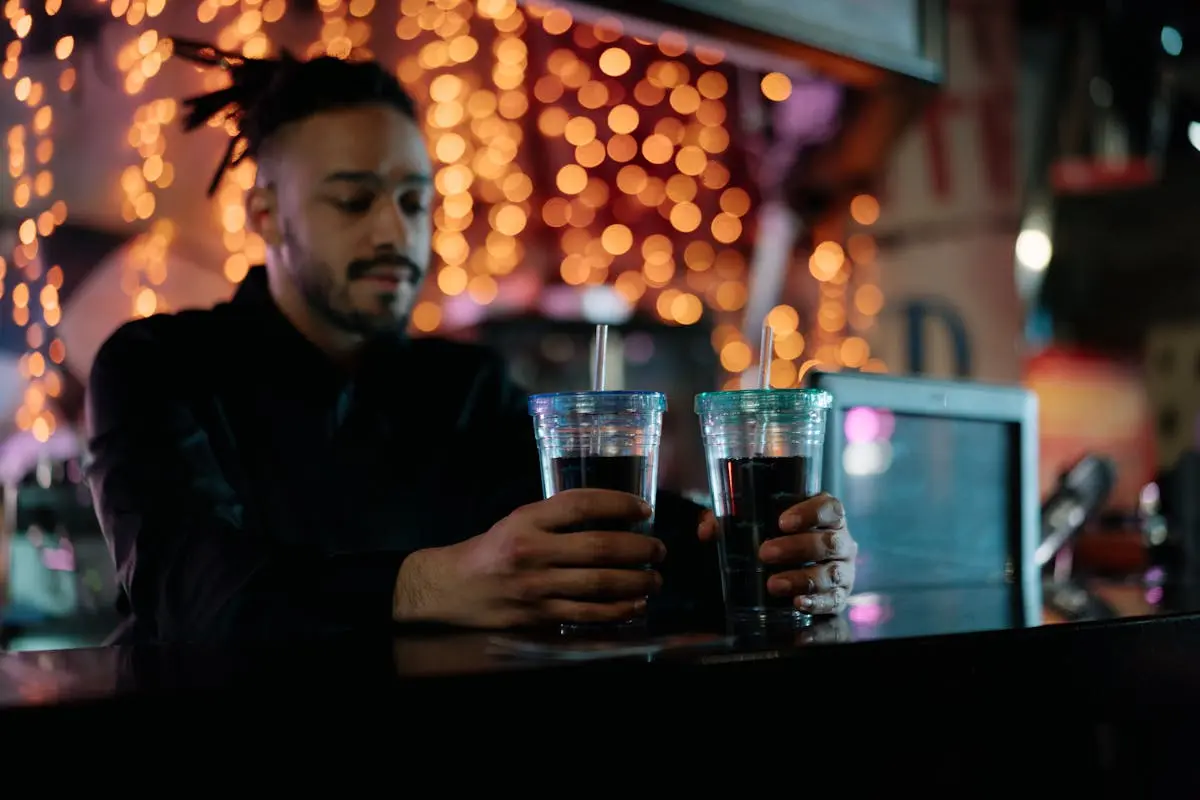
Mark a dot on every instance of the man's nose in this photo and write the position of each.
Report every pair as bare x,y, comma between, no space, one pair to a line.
391,226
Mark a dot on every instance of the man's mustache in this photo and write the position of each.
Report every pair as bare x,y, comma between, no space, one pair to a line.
363,267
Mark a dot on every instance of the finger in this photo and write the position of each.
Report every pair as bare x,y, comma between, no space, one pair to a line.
574,506
809,547
817,579
580,612
589,584
708,527
603,548
822,511
831,603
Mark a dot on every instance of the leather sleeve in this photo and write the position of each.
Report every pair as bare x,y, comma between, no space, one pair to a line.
188,554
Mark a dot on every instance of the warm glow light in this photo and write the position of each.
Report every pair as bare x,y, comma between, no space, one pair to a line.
635,132
864,209
776,86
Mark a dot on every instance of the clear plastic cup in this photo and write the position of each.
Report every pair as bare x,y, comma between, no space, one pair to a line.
600,440
764,453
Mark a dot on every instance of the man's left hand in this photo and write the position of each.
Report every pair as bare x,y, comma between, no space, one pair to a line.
815,555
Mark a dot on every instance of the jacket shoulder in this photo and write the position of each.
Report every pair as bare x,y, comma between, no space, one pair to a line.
137,341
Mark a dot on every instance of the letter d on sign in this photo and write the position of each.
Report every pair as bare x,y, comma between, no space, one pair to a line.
917,313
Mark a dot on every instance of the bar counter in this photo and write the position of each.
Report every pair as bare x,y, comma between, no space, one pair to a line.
1100,696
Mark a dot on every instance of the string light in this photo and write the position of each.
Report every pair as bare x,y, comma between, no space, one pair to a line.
627,174
245,29
140,59
35,295
146,268
864,299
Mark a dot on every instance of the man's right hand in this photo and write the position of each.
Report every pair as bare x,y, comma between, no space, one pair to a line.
524,572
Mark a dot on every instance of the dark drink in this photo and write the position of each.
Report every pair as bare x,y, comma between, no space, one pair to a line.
758,491
618,473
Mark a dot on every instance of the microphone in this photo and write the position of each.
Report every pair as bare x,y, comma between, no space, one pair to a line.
1081,491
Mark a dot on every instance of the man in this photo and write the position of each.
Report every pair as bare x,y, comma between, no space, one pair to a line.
289,464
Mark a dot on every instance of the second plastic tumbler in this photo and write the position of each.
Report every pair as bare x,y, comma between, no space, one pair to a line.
764,452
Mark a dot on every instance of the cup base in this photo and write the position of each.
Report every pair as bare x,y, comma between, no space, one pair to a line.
752,619
603,631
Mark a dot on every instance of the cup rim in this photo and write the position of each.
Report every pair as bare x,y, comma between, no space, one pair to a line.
751,401
589,402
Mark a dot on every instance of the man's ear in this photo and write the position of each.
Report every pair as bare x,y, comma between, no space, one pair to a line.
262,216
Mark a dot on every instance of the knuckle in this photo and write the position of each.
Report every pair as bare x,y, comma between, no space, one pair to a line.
527,590
599,584
583,612
528,509
837,576
601,547
651,581
647,551
518,549
584,502
616,612
514,618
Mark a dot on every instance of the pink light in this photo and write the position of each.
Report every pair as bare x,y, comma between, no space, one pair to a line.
887,424
862,425
867,614
61,559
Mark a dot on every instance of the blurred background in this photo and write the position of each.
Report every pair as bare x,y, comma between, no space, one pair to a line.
986,190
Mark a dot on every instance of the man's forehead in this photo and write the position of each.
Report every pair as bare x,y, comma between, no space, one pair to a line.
361,142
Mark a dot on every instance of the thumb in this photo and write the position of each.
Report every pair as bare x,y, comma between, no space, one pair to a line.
708,526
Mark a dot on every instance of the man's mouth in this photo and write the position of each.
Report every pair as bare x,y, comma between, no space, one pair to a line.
393,277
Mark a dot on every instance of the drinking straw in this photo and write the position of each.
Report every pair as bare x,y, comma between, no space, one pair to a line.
765,348
599,358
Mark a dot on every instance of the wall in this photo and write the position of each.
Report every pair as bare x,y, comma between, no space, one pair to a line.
951,210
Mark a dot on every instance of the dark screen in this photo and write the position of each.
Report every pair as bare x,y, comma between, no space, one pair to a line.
931,499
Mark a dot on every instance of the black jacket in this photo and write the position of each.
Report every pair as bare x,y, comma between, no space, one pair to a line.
249,489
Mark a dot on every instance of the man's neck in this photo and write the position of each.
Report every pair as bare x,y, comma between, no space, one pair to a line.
342,347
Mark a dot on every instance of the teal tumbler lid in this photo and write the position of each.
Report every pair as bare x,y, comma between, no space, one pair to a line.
597,403
757,401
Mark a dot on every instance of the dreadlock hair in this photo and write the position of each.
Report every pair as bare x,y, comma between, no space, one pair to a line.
266,94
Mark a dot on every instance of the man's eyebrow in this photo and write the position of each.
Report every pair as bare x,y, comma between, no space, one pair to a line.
419,178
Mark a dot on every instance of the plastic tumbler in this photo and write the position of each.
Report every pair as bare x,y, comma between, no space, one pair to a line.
599,440
764,452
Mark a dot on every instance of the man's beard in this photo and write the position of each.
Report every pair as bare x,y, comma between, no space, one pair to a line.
315,281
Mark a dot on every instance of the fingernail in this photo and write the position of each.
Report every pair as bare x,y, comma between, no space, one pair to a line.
769,552
639,606
804,602
788,523
830,513
662,551
645,507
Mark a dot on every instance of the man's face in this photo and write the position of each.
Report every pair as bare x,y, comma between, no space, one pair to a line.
353,190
